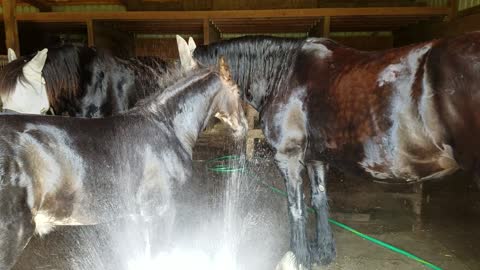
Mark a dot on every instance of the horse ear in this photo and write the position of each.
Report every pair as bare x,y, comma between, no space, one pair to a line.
11,55
186,58
223,68
33,69
191,44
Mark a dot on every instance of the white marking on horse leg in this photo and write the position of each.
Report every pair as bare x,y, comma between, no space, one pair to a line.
324,251
290,167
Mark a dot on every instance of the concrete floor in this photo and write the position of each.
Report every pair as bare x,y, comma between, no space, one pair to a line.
449,239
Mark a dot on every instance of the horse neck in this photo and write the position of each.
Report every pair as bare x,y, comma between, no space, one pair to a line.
147,72
189,108
260,66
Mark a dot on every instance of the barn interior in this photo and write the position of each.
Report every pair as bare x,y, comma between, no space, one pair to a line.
436,221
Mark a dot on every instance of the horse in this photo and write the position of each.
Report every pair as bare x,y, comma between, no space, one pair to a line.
78,171
403,115
78,81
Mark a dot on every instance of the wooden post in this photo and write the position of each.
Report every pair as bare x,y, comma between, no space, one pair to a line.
10,22
453,4
210,33
321,28
326,27
251,115
90,33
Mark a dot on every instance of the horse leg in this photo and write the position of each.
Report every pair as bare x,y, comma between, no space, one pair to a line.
289,163
16,224
323,250
158,217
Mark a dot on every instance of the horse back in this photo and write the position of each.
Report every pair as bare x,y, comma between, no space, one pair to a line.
391,113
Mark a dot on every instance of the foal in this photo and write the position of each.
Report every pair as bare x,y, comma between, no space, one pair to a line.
72,171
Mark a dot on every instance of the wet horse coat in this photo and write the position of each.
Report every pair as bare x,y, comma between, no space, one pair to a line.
62,170
80,81
406,114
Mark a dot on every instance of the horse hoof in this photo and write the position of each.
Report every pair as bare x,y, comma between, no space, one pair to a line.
323,255
302,257
289,262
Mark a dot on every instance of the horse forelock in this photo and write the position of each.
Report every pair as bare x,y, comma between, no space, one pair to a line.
254,60
66,70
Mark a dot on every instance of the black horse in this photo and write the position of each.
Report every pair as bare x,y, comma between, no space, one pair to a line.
406,114
78,81
64,170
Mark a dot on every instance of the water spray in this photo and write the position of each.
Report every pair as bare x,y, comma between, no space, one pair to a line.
218,165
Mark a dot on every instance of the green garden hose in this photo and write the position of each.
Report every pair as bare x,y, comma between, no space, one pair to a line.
218,165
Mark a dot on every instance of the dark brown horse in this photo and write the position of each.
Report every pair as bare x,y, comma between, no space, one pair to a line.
407,114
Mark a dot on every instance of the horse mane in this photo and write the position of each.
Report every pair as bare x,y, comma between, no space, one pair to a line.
250,56
62,72
171,87
149,72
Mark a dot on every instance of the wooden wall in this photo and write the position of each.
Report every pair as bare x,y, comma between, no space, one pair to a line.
428,31
108,38
35,36
165,48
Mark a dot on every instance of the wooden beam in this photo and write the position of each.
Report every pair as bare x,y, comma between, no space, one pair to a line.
326,26
90,33
42,5
232,14
210,32
10,22
143,5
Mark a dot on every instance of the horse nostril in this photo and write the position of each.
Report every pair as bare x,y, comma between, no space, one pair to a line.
249,96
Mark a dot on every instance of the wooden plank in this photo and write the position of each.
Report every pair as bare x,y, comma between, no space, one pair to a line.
10,23
42,5
90,33
189,15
